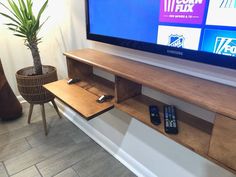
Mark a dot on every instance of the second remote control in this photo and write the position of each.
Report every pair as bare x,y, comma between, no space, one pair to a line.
170,120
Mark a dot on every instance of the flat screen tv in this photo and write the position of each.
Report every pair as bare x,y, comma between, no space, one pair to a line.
197,30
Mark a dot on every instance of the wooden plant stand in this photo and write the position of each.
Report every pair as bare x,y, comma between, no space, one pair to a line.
43,114
31,89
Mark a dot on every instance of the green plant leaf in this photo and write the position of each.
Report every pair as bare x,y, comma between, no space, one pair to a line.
9,17
19,35
43,23
41,10
11,24
16,30
29,6
16,10
10,11
23,9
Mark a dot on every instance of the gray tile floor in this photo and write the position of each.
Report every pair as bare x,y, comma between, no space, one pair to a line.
66,152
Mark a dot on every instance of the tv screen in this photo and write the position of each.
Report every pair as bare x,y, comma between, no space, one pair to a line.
196,30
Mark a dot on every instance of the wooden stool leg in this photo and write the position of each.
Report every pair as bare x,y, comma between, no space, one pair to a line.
56,108
44,119
30,112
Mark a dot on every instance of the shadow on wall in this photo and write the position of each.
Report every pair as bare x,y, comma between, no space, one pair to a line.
114,124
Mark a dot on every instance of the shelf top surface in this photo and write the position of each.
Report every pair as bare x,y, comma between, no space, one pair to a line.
79,99
206,94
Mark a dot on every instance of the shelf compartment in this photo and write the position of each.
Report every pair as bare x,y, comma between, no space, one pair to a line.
97,85
78,98
209,95
90,82
196,138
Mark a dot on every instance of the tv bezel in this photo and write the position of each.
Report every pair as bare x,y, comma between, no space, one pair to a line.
179,53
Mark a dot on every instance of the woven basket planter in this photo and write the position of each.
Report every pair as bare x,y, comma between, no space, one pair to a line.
31,86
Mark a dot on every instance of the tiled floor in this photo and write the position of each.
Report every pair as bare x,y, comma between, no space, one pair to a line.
66,152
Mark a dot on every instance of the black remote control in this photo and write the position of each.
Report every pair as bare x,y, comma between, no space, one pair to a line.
170,120
154,114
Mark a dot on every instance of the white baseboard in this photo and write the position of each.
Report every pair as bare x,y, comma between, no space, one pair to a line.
104,142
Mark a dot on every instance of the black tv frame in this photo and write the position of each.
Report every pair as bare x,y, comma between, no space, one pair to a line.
178,53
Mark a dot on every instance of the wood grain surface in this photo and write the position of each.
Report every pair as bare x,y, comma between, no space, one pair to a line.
206,94
79,99
77,69
223,141
125,89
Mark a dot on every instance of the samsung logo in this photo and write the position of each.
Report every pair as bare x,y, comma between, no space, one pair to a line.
175,52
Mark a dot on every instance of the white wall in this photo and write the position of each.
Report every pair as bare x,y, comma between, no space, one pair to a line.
151,152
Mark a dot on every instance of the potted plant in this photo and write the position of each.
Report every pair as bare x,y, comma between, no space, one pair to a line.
26,25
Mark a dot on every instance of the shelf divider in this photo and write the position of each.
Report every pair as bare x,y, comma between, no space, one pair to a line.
125,89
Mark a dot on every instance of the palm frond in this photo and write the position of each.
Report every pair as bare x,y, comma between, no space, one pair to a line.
42,9
40,26
11,18
11,24
19,35
23,9
40,12
16,30
8,9
23,19
16,10
29,6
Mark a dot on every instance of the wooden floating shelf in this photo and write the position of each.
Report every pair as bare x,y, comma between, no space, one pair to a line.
202,137
206,94
82,101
